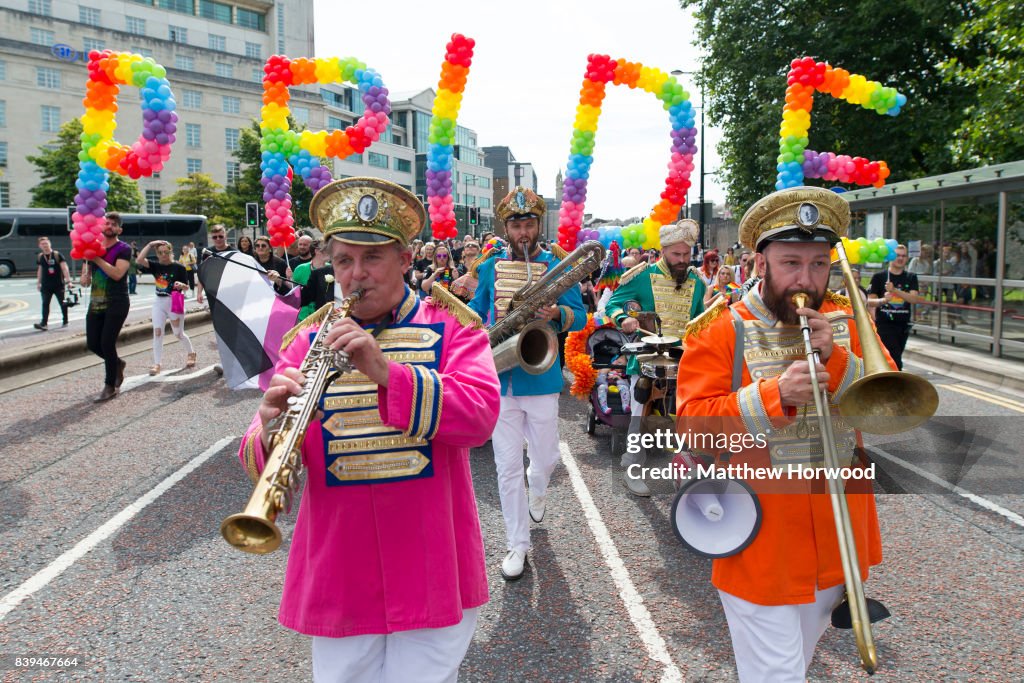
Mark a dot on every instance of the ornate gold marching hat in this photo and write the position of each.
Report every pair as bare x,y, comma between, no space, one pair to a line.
796,214
367,211
686,230
520,201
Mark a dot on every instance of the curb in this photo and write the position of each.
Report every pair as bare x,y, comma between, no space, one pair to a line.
990,378
39,356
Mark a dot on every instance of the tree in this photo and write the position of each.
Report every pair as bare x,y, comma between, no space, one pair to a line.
248,187
58,171
197,194
991,132
902,43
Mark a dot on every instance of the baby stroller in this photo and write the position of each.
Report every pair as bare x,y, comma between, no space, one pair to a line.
605,345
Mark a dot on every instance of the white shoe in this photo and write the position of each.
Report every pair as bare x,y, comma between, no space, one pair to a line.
636,485
513,565
537,505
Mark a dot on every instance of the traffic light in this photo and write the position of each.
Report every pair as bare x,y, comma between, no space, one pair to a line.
474,215
252,214
71,213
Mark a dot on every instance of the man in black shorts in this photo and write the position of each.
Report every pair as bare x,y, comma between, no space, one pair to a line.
51,277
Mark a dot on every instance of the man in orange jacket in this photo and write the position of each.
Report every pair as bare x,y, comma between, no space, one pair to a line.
779,590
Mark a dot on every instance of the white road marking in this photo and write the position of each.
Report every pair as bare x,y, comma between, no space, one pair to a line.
165,377
630,596
953,488
44,576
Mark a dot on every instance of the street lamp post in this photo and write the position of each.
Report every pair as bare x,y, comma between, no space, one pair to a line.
701,221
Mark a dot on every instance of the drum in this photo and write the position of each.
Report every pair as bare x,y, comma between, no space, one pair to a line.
658,366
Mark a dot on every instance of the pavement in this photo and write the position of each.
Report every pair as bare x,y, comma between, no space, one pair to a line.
996,373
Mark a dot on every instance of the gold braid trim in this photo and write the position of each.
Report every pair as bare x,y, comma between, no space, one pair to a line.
558,252
314,320
250,454
632,273
482,259
705,319
837,298
443,299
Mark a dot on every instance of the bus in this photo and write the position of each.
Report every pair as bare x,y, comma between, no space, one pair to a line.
20,230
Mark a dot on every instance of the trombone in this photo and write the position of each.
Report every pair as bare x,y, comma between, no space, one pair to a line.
883,401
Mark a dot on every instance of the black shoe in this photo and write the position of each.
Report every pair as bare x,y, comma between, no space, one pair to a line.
64,324
40,326
108,393
120,373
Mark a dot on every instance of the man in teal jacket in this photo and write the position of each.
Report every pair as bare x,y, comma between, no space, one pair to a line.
529,403
670,288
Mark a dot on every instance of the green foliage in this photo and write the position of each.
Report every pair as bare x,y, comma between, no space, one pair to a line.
249,189
993,43
197,194
900,43
58,171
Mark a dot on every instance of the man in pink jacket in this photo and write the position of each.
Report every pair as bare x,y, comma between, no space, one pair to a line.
386,568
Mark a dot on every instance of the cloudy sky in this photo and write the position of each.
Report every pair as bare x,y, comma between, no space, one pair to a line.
524,84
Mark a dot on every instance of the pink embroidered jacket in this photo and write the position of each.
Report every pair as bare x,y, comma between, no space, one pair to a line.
400,555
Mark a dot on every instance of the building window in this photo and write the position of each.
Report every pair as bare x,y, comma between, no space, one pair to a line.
280,28
301,115
47,78
177,34
378,160
224,70
485,202
193,166
184,63
483,181
3,155
144,51
234,172
191,99
44,7
193,135
217,11
5,195
183,6
257,75
135,25
50,118
335,123
153,198
219,43
250,19
88,15
403,165
231,136
3,113
399,119
231,105
39,36
254,50
3,70
355,159
90,44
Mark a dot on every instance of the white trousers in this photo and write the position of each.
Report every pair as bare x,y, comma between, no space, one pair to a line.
535,420
776,643
161,315
430,655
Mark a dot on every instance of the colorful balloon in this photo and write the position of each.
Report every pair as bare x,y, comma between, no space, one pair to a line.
283,150
601,70
441,151
795,161
100,153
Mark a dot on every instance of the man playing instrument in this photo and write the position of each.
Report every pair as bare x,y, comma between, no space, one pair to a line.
674,291
779,590
529,403
386,569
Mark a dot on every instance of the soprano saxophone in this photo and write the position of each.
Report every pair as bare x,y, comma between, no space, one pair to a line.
253,530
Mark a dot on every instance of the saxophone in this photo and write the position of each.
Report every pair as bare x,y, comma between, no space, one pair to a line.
521,340
253,530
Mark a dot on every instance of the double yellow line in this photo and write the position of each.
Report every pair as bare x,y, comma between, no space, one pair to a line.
980,394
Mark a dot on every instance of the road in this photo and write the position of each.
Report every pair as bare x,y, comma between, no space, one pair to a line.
110,549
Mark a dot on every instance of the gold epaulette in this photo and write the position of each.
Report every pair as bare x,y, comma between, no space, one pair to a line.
837,299
705,319
482,259
445,300
558,252
633,272
314,320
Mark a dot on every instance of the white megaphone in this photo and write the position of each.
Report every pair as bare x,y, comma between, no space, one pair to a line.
716,517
